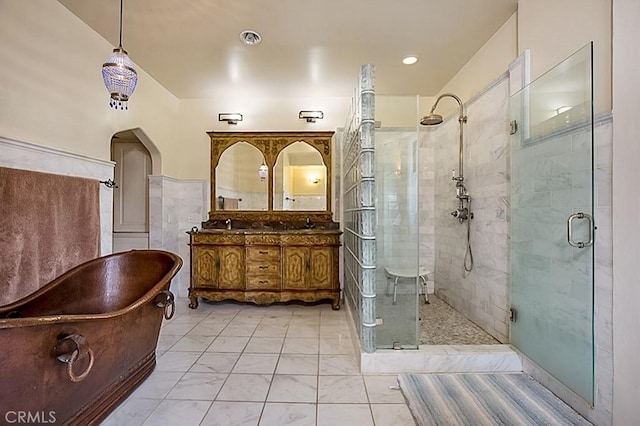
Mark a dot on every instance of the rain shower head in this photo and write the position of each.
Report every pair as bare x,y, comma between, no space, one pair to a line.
431,119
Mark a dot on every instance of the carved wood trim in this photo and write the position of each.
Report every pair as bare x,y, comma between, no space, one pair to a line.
270,144
266,297
265,268
218,238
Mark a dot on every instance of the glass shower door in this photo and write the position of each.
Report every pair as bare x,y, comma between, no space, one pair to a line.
397,238
552,232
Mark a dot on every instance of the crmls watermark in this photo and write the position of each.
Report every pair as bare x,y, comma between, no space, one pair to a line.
30,417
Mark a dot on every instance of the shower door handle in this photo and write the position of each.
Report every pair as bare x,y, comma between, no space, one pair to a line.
579,244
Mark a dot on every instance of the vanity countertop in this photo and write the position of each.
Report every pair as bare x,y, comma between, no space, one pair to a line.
259,231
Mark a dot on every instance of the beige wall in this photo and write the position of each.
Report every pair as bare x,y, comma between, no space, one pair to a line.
301,183
484,67
52,92
397,111
197,116
552,30
626,204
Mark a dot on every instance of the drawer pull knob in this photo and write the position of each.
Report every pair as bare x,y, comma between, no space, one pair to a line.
263,267
263,252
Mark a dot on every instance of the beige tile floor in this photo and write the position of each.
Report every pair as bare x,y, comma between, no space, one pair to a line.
241,364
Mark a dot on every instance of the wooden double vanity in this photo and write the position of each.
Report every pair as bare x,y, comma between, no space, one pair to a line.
270,236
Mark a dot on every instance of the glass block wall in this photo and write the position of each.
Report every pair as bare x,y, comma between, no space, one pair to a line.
358,209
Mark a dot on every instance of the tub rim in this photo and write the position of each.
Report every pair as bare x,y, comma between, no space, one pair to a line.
6,323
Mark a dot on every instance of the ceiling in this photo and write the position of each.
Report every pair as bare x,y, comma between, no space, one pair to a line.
308,49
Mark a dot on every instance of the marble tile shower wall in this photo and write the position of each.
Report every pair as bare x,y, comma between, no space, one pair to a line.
603,140
175,206
426,203
483,294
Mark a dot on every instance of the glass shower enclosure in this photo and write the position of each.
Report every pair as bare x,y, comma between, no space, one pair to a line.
397,230
552,228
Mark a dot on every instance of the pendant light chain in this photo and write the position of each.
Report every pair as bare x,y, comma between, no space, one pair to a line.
121,7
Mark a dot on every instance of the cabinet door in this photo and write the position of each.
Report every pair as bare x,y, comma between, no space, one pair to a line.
320,268
205,267
295,268
231,271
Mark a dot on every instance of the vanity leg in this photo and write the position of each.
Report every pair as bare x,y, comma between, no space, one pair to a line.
335,304
193,302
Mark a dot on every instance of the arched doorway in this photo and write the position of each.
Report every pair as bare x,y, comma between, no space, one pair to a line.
134,164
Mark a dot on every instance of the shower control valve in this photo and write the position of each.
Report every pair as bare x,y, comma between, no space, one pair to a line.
461,214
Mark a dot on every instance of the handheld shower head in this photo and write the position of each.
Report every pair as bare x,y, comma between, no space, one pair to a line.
431,119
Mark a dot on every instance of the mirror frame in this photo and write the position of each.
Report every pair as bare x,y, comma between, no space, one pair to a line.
270,144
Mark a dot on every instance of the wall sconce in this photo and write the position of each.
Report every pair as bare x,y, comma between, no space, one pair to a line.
262,171
230,117
314,180
311,116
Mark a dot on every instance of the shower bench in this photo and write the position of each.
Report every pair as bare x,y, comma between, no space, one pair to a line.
396,274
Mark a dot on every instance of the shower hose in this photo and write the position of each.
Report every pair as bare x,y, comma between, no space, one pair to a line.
468,256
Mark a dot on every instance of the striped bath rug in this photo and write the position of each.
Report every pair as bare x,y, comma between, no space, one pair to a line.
483,399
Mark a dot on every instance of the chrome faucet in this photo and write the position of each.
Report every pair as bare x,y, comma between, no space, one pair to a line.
228,223
308,224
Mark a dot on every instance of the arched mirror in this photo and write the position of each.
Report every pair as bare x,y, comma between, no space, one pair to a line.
266,178
241,179
299,179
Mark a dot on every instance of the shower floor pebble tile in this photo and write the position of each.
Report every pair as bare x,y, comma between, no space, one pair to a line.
440,324
231,364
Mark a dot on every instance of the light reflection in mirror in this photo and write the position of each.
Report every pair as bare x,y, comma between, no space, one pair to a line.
300,177
238,183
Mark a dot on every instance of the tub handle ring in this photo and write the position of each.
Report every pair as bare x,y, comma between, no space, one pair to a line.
167,302
80,350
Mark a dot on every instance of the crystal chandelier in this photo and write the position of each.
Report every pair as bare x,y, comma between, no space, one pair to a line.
119,74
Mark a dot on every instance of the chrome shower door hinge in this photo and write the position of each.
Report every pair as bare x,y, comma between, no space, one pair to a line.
513,314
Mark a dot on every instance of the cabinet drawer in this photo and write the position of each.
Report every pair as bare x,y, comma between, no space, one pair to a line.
311,240
263,268
263,283
262,253
262,239
218,239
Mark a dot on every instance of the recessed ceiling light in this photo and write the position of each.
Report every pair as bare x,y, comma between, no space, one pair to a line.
409,60
250,37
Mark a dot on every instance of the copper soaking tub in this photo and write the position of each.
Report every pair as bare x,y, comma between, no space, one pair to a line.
77,347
